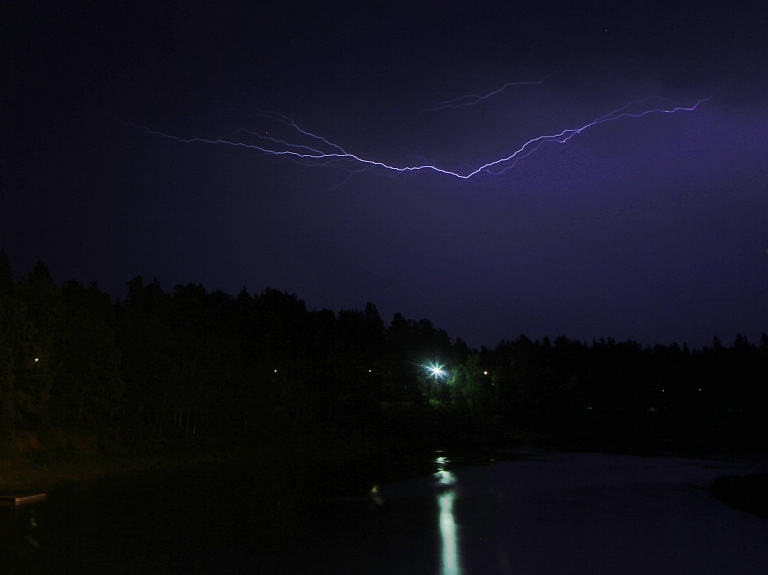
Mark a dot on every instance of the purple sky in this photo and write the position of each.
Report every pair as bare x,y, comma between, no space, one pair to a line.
653,229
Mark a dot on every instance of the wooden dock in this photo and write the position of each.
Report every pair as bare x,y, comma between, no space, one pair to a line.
21,498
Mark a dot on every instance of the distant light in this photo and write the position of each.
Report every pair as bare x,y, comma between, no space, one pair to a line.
485,373
275,371
36,360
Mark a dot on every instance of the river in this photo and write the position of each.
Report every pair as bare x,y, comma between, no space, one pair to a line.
556,513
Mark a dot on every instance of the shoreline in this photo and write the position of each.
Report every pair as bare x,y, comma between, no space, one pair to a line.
288,471
747,493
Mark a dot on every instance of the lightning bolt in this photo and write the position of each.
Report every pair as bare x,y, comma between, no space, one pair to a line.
472,99
324,152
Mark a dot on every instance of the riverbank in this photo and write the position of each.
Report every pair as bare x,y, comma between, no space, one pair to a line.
44,470
748,493
289,471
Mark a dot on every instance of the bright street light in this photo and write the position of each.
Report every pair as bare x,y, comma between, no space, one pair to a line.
435,370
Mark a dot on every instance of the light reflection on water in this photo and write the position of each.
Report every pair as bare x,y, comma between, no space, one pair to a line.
448,530
19,532
451,565
552,513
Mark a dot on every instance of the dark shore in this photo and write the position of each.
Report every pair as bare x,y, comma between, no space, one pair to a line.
748,492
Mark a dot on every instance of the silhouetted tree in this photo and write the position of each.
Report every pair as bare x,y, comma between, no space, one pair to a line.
89,387
470,387
6,275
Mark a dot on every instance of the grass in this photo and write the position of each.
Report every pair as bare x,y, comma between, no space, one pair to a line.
42,461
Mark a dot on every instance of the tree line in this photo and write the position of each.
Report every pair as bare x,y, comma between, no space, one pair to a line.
191,363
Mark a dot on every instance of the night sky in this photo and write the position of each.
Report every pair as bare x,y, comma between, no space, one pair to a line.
652,228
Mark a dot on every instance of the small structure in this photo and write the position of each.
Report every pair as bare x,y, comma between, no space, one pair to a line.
21,497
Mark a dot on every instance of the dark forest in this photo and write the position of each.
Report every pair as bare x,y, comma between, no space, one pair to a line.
197,367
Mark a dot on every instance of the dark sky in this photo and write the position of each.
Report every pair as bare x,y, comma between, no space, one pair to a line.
649,228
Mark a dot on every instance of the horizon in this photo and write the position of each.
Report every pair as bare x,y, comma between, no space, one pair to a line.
538,339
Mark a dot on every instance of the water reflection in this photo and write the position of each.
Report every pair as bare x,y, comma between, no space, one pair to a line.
450,564
22,547
448,532
553,513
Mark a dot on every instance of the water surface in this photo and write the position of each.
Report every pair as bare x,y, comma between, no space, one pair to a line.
555,513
